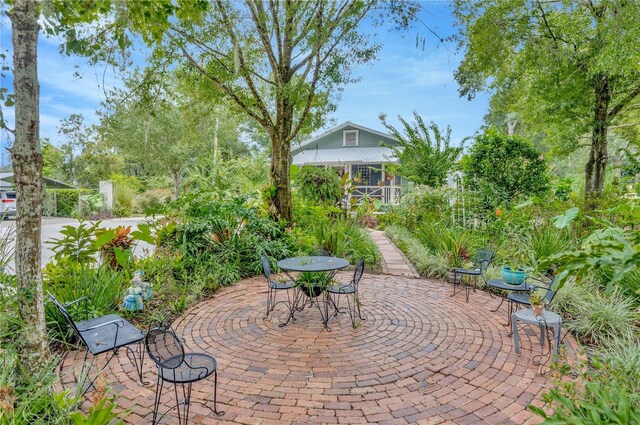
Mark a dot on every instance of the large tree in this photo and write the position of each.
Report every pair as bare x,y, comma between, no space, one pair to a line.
26,157
569,69
281,63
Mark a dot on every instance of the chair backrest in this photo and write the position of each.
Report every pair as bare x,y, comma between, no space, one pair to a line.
266,267
358,272
551,293
67,317
164,348
483,259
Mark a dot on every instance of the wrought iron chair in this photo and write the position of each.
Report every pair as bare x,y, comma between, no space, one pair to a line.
179,368
522,299
483,260
273,287
102,335
351,291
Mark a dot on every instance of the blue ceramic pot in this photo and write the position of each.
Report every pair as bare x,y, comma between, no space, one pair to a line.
513,277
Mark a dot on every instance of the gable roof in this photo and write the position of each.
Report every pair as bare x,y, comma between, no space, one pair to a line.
6,182
340,127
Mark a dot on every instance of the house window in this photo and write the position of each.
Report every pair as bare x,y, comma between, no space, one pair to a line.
350,138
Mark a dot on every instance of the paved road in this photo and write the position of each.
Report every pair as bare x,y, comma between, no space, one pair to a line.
52,226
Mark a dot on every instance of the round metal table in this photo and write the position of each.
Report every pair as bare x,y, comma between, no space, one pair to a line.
312,264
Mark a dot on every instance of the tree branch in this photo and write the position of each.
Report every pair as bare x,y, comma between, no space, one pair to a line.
223,87
620,106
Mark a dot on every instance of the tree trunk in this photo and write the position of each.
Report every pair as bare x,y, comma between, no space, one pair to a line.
280,163
27,161
594,171
177,180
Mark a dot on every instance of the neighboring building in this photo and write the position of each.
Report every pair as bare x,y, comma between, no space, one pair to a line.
357,150
6,183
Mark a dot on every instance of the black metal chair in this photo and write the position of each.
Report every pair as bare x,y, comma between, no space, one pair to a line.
523,299
483,260
102,335
351,291
273,286
179,368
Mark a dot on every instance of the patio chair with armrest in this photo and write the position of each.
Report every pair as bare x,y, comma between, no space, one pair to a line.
106,334
483,260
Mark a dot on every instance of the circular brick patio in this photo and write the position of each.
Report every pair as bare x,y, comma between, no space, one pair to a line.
420,357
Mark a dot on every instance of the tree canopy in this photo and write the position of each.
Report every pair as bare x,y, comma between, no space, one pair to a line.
424,153
568,70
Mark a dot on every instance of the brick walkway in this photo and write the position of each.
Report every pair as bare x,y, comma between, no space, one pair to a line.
420,357
393,260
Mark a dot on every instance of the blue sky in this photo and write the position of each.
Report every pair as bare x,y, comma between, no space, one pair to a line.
404,79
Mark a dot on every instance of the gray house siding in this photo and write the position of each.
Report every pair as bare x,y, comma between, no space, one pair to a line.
334,140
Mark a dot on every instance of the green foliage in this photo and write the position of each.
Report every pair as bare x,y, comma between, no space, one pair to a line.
227,232
550,68
607,246
152,201
601,318
424,153
318,184
65,202
346,239
428,263
78,243
423,204
103,287
595,405
504,167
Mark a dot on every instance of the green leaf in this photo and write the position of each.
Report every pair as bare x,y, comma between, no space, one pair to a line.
564,220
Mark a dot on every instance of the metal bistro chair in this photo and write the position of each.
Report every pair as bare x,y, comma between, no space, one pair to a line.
517,300
483,260
179,368
104,334
351,291
272,290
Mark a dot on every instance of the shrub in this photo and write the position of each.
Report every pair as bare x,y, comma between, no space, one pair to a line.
348,240
104,286
64,202
619,364
503,167
424,153
152,201
602,318
427,263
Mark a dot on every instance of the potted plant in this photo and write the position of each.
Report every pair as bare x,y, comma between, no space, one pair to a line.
381,183
357,177
313,284
537,303
513,275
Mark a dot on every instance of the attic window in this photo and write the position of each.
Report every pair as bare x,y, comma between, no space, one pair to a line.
350,138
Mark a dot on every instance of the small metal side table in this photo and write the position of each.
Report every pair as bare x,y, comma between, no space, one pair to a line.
545,320
501,284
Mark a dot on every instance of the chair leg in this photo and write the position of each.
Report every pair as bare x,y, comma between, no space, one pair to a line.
351,310
215,394
175,391
156,403
358,307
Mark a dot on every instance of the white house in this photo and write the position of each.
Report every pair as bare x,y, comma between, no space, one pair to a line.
359,151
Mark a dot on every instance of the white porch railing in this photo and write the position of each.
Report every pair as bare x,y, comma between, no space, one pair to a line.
387,194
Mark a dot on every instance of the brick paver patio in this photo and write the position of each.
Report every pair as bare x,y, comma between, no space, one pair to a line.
420,357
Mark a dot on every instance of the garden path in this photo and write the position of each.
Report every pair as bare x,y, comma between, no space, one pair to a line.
393,260
421,356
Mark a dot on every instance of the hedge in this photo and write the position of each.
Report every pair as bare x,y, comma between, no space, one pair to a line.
63,202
